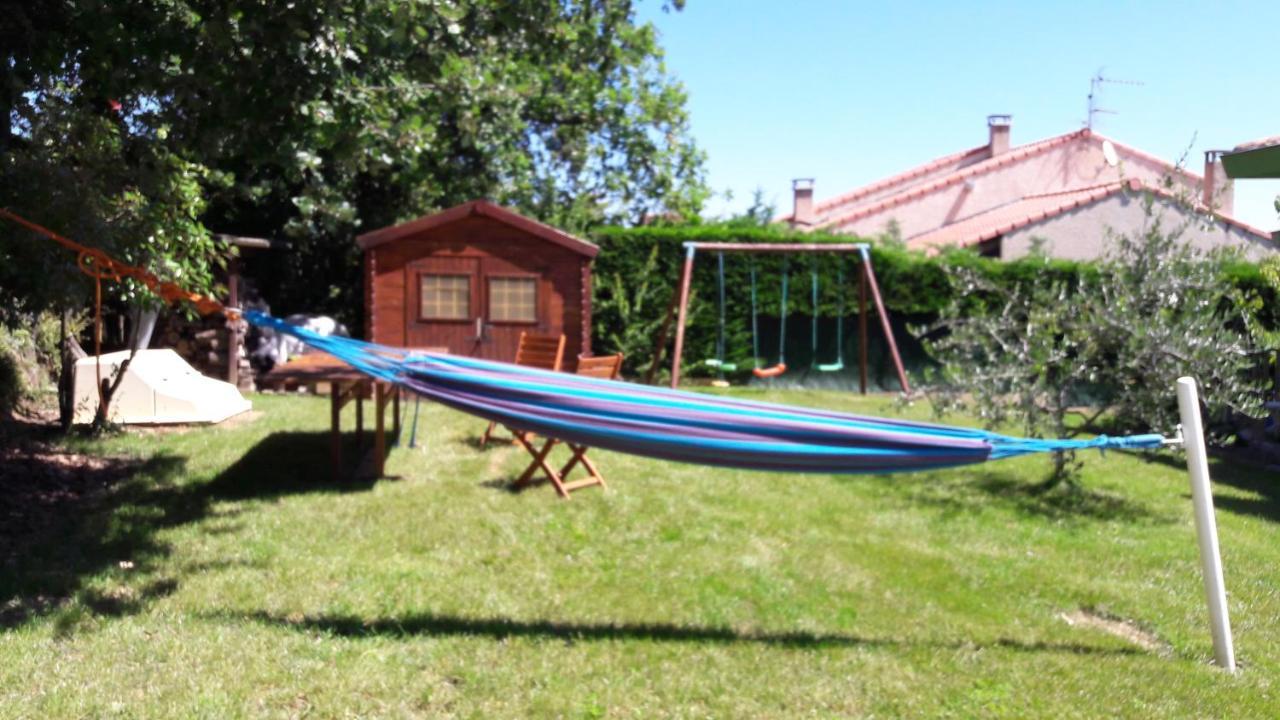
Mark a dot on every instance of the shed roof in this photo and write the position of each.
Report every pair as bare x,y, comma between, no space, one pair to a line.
481,208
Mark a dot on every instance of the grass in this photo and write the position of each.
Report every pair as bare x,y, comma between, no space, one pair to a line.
228,576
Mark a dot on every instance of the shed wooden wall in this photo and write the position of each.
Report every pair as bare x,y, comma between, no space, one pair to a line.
565,285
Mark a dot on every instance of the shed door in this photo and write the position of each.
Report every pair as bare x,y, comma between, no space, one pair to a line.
473,306
443,304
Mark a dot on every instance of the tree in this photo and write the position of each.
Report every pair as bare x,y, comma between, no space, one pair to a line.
134,124
1113,340
333,116
94,179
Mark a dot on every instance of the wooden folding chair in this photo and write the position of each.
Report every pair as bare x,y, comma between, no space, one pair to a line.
607,367
536,351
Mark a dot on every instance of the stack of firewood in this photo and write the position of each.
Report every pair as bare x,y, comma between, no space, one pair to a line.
204,342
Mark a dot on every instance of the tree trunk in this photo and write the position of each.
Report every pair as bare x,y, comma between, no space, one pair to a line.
109,387
66,377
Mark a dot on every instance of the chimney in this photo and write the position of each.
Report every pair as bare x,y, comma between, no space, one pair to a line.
1219,194
802,210
998,127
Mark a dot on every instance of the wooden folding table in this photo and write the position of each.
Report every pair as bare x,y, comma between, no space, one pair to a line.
345,384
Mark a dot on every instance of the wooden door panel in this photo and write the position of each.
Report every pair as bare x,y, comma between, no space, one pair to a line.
503,337
440,318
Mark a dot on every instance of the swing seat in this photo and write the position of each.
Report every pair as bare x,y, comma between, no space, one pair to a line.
721,365
831,367
770,372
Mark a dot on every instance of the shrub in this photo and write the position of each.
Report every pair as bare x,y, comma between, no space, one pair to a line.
29,356
638,270
1114,337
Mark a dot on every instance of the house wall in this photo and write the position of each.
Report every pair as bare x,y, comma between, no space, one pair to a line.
1074,164
505,249
1082,233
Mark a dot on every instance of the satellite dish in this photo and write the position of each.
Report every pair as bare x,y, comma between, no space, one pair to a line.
1109,153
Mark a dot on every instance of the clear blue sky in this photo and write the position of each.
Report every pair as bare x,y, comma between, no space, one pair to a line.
848,92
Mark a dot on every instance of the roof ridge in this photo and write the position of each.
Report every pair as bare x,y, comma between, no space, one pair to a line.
1173,167
914,172
477,208
1200,207
930,165
1019,153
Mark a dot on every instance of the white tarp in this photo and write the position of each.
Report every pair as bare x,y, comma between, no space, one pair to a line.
158,388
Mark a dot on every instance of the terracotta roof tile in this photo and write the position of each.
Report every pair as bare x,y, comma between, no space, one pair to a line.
1004,159
901,178
1033,209
1010,217
482,208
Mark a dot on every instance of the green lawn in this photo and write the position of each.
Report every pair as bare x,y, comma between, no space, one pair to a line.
230,577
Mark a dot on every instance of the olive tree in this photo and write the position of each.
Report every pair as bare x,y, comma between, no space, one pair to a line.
1061,355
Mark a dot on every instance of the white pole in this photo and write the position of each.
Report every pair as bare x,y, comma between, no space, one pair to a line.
1206,527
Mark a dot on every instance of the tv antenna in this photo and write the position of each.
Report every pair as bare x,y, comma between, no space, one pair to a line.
1095,87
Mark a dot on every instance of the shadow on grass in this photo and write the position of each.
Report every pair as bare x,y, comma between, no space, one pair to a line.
429,625
508,485
1224,470
71,517
968,490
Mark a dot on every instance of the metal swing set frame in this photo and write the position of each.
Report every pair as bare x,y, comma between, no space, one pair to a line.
677,310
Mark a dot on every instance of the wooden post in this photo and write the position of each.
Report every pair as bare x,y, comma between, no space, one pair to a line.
663,331
234,337
358,389
685,277
335,428
395,411
862,327
884,321
379,427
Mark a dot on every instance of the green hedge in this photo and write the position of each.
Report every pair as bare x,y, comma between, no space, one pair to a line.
638,270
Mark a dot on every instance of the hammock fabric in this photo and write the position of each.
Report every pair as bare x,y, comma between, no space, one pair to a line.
682,426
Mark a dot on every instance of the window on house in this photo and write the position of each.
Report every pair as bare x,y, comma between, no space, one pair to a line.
513,299
444,297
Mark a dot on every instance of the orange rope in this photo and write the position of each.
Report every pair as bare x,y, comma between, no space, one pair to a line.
101,266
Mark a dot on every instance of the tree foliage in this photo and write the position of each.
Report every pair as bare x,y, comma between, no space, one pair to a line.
316,120
1112,341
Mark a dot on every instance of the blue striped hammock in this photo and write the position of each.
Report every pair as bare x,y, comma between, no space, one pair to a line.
683,426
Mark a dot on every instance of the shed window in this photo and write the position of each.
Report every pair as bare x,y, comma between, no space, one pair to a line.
513,299
444,297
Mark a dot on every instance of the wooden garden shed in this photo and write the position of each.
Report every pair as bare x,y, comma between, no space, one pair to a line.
473,278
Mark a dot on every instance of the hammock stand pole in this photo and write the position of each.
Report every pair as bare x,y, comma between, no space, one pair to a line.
866,281
1206,526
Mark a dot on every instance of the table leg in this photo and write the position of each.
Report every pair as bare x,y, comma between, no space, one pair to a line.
395,410
358,389
379,431
335,428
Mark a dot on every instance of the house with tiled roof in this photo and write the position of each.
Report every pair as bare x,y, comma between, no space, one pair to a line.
1062,195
